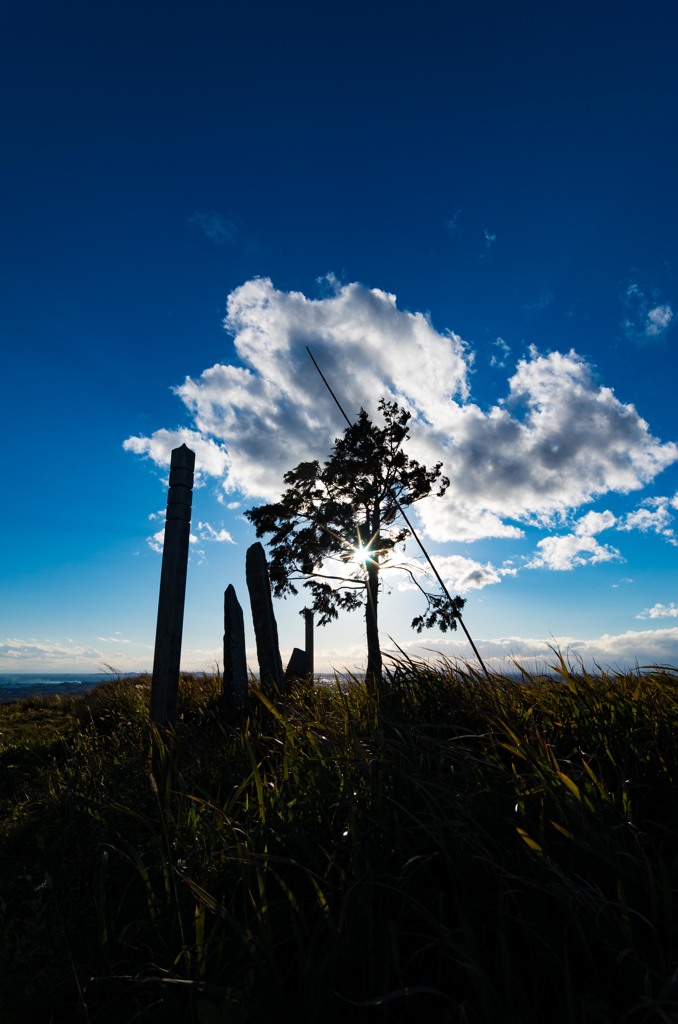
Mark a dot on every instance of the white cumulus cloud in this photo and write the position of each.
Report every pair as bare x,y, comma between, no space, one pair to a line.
558,442
458,573
580,547
659,611
554,442
570,551
211,458
652,516
594,522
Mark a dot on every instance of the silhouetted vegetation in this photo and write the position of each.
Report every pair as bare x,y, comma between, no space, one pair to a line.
473,852
337,525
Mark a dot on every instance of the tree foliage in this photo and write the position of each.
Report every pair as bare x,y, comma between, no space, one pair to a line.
337,524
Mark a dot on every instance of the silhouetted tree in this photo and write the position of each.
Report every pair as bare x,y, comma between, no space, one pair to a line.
347,511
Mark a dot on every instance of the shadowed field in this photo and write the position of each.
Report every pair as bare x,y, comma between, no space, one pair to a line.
468,852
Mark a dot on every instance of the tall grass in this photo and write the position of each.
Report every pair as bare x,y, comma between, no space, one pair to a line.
466,852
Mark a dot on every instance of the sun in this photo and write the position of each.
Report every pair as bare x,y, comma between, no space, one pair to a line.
362,554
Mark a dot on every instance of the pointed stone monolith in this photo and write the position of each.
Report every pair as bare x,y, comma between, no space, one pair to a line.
235,661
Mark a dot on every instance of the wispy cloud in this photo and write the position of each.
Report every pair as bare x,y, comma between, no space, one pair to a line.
118,638
453,225
499,358
204,533
208,533
555,442
616,652
658,319
540,302
644,317
490,240
18,652
215,226
623,582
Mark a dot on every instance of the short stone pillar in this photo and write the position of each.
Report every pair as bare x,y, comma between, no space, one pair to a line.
235,661
297,666
300,665
265,627
167,658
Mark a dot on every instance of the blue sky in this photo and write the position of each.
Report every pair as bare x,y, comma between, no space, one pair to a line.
470,207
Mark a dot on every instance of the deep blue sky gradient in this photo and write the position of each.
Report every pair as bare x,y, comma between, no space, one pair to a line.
507,168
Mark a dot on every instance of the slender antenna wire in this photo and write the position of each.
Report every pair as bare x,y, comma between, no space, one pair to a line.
401,510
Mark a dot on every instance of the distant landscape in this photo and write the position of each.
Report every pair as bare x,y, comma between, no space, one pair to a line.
17,685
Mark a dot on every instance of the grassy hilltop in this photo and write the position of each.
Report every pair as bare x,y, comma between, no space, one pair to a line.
475,852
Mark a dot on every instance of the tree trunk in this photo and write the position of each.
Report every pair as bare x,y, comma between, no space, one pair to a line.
373,676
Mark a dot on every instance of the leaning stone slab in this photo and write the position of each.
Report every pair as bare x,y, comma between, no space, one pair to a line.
265,627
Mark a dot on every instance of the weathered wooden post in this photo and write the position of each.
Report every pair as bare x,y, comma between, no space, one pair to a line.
308,643
235,660
265,627
167,658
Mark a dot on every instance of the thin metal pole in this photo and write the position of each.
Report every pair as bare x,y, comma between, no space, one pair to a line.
410,526
324,380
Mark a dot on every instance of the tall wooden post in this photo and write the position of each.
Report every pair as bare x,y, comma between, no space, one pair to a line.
308,622
167,659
